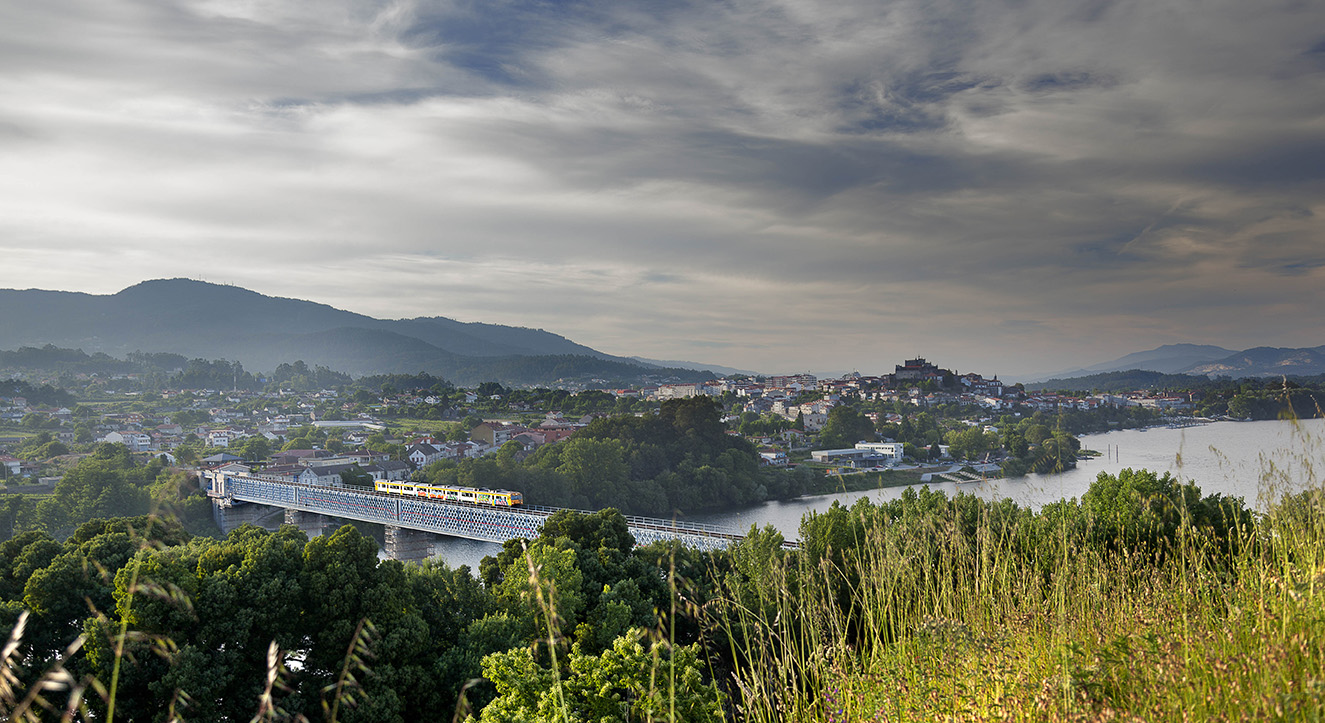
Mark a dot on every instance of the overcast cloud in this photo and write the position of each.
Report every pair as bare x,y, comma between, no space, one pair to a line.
998,186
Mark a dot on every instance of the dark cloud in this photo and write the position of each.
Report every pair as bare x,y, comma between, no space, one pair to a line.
1281,162
910,103
499,42
1066,82
662,175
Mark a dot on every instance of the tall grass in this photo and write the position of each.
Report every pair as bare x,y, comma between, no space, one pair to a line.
915,620
933,616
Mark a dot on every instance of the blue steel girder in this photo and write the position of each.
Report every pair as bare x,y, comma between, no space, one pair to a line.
457,520
698,541
475,523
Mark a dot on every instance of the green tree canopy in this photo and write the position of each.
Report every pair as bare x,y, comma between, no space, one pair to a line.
845,427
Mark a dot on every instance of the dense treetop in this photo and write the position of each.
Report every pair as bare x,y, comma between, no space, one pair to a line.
680,459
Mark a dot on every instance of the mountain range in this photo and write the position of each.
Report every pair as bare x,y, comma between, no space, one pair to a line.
1203,359
213,321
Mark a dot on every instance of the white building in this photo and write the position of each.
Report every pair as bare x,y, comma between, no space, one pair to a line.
678,391
135,441
858,458
893,451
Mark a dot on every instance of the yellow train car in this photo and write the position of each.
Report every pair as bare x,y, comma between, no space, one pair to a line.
468,495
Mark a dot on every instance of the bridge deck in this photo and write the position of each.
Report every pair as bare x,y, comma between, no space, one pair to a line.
491,524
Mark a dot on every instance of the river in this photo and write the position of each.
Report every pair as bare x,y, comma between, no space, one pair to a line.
1257,461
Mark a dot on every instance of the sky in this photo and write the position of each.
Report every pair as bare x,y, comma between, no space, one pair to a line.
1010,186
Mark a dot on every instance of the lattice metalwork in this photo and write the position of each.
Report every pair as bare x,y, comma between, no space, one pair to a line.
475,523
340,502
252,489
701,542
457,520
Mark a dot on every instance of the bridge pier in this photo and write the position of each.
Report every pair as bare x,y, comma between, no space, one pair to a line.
408,545
312,523
230,516
413,522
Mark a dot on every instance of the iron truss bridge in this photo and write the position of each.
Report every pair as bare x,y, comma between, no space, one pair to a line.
490,524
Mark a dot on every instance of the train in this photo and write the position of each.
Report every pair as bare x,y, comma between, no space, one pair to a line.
447,493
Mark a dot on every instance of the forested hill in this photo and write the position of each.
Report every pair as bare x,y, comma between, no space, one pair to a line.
1205,360
201,320
1123,381
178,371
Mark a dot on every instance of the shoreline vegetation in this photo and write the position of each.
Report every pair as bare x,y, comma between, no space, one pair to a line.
866,480
1143,600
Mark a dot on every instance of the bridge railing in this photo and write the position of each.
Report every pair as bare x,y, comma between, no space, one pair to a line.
373,506
697,528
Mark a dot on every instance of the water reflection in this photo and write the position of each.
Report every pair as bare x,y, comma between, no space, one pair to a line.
1257,461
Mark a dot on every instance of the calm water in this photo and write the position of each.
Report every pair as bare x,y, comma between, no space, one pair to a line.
1253,460
1224,457
457,551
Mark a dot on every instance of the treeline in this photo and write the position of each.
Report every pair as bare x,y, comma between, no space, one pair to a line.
300,377
218,374
108,483
1103,419
205,620
580,624
1137,511
153,371
1282,400
547,369
572,404
392,383
492,396
680,459
51,358
1247,398
43,395
156,368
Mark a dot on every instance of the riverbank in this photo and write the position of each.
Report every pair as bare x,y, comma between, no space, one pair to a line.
866,480
1229,458
937,610
863,481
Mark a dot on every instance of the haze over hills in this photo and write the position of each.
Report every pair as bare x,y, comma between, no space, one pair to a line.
1204,359
200,319
1265,361
1170,358
697,366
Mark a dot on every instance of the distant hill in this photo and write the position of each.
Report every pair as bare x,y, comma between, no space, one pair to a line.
212,321
1121,381
697,366
1264,361
199,315
1207,360
1169,359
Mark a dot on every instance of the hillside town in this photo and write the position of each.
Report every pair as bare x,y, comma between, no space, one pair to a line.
316,436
